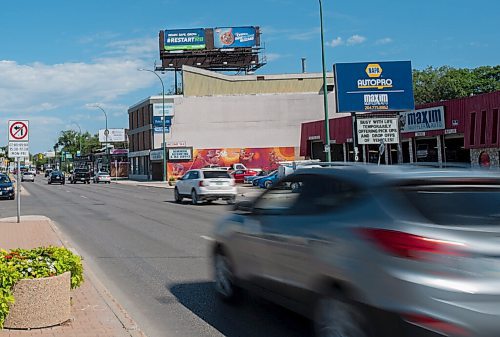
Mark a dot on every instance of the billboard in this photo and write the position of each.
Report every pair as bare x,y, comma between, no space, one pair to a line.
378,130
184,39
374,86
158,109
422,120
234,37
264,158
114,135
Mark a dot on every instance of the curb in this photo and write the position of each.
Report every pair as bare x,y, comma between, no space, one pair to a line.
127,322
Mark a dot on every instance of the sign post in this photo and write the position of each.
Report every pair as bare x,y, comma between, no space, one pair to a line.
18,148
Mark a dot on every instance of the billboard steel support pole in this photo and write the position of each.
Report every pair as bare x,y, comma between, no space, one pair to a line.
325,88
106,132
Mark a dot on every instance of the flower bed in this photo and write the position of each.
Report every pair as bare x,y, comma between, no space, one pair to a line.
38,263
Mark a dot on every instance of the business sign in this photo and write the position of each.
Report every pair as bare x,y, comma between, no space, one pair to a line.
235,37
422,120
19,150
156,155
185,39
158,109
114,135
374,86
180,154
158,121
159,129
18,131
378,130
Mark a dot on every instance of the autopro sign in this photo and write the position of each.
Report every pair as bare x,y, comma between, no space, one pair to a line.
374,86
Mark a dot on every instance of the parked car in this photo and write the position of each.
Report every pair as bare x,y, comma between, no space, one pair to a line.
80,175
255,182
57,177
269,180
239,175
102,177
6,187
28,176
371,251
250,179
206,185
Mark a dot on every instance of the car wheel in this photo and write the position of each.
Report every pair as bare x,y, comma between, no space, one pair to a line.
337,316
268,184
50,183
12,198
177,196
194,197
231,201
224,278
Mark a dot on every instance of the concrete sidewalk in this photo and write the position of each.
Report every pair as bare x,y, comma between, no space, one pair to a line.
94,311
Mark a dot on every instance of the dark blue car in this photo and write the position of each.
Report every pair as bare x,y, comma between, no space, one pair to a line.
6,188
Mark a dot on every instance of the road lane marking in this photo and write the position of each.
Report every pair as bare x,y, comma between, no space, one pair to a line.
208,238
84,197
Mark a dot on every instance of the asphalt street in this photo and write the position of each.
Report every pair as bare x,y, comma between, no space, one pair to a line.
153,256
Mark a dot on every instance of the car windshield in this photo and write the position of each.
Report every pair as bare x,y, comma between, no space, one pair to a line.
103,174
4,179
27,173
457,205
215,174
81,171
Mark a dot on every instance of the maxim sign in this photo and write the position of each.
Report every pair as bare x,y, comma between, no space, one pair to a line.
422,120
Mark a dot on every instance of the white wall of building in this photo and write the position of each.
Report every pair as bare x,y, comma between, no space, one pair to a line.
267,120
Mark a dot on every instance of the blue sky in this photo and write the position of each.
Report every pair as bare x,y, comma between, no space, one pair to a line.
58,57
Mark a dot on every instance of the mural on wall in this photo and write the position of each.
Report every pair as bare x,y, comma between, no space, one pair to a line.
266,159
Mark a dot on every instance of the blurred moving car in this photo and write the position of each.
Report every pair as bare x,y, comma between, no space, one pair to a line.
239,175
47,172
28,176
102,177
269,180
371,251
32,171
6,187
57,177
206,185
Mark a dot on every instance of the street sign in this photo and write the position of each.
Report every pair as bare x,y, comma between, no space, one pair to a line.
19,150
18,131
381,147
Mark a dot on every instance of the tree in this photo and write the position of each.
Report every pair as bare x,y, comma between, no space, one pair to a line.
444,83
69,141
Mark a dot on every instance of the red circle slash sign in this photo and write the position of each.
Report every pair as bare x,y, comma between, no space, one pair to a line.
18,130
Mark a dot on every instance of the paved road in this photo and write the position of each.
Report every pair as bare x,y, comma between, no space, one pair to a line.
152,254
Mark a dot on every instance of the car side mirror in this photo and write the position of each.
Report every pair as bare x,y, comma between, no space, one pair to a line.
244,206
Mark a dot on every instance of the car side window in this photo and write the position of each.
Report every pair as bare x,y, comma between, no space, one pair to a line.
281,197
195,175
186,176
323,194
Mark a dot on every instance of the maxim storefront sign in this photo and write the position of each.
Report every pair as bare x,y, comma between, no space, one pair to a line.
422,120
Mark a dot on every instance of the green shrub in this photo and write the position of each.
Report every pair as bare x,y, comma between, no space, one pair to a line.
34,263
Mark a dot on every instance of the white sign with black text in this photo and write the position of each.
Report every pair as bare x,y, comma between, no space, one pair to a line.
19,150
184,153
114,135
377,130
158,109
422,119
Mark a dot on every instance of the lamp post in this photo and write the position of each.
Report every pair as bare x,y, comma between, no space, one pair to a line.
79,136
164,146
106,132
325,88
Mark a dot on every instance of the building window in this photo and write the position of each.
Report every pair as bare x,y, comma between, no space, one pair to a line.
494,127
472,139
483,127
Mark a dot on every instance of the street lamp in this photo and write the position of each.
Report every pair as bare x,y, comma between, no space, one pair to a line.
164,146
325,88
106,132
80,136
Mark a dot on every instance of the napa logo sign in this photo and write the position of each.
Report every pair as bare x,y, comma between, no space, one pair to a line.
374,71
374,86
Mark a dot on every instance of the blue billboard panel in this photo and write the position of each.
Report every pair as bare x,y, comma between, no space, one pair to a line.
158,123
374,86
235,37
185,39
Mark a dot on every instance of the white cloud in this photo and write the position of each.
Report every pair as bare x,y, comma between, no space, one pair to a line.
305,35
355,39
336,42
385,40
273,57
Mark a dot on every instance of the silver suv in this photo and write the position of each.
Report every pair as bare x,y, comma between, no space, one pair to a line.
371,251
